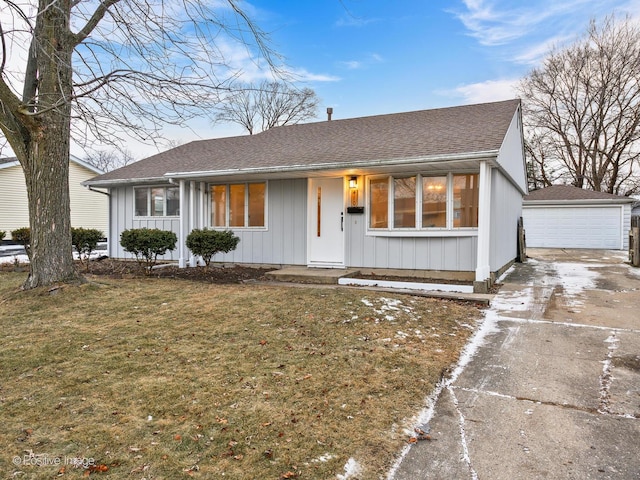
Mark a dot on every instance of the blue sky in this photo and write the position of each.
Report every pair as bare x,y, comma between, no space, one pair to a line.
365,57
369,57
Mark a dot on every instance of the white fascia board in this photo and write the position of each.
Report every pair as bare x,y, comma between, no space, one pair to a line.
125,181
573,203
486,155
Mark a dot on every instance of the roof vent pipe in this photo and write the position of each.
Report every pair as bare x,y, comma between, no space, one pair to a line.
329,113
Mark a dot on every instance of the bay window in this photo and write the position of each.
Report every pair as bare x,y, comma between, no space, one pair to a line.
238,205
422,202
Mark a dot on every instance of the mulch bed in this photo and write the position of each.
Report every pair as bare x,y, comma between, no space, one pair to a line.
214,274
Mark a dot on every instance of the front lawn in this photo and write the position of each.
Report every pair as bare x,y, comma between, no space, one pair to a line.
171,379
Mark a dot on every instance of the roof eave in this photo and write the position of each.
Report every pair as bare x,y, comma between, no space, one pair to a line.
117,182
584,201
485,155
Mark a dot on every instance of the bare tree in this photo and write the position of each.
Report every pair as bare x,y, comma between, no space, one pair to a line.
107,160
270,104
104,70
582,111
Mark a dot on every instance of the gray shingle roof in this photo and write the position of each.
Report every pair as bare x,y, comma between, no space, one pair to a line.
426,133
570,193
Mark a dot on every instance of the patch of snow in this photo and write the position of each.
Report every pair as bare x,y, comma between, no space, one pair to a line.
367,302
575,278
514,301
22,258
351,469
325,457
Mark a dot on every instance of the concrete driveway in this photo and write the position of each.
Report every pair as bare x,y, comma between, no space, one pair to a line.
549,387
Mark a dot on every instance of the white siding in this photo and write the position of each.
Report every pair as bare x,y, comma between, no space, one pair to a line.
506,209
511,155
88,209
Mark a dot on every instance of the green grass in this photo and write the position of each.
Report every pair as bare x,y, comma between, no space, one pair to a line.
171,379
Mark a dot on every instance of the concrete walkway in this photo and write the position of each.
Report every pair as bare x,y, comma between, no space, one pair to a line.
549,388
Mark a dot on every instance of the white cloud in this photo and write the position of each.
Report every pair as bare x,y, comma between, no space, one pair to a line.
358,64
487,91
349,20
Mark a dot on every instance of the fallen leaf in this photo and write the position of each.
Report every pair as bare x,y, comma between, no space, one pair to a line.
263,342
177,438
288,475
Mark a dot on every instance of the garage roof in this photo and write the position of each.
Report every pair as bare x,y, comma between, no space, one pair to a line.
569,193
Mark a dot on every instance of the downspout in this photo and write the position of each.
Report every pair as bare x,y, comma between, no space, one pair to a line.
483,265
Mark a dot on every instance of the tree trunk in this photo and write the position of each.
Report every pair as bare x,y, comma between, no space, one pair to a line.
47,179
46,166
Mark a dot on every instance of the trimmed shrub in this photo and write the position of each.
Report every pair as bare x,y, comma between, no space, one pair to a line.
85,241
147,243
206,243
23,237
2,235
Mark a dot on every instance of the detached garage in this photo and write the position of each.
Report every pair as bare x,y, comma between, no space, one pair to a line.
563,216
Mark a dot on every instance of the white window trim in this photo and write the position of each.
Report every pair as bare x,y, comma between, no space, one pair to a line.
246,206
448,231
148,188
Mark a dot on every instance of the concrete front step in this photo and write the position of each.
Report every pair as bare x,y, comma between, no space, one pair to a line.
326,276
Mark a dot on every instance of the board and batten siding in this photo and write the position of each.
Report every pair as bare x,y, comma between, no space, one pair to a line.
283,242
122,218
506,209
89,209
419,253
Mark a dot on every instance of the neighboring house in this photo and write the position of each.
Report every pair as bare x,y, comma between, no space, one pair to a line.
88,209
438,190
563,216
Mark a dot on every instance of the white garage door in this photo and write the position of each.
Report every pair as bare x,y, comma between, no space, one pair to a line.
573,227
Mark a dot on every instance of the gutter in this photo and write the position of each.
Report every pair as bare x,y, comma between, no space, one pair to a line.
589,201
123,181
171,177
336,165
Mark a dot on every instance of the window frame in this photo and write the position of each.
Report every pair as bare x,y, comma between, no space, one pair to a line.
150,201
227,223
447,231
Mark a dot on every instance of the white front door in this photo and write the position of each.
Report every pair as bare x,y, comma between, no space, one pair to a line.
325,230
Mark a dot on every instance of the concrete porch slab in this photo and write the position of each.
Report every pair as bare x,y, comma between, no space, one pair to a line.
327,276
